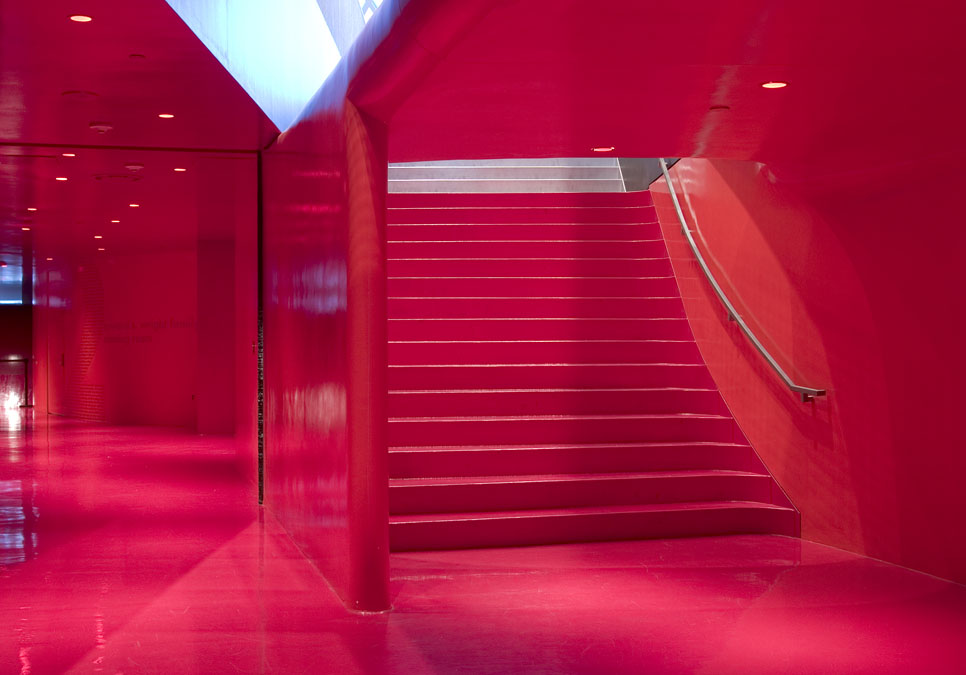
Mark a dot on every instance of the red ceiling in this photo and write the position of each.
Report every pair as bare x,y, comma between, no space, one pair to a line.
214,133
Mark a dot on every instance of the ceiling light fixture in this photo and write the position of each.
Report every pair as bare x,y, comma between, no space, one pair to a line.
115,221
68,154
100,249
134,206
98,236
25,229
180,170
31,208
81,18
774,85
61,178
609,148
165,116
49,259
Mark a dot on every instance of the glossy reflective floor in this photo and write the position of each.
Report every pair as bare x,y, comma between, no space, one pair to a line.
127,550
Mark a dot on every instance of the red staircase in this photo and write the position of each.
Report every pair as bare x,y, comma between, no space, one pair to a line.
545,386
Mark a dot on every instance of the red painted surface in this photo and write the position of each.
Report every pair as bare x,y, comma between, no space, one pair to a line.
325,342
852,297
159,560
538,408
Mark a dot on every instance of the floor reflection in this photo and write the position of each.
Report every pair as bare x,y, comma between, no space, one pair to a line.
126,550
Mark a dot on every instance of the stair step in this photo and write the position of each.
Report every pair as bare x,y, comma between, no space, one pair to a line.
503,493
562,203
572,525
466,171
505,185
527,308
522,231
443,461
532,267
520,214
555,328
523,287
543,351
528,248
474,402
488,430
549,376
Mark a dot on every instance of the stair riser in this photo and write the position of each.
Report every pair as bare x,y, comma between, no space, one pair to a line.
582,528
631,248
464,172
508,203
526,214
482,403
407,432
629,308
506,185
663,287
514,495
527,267
435,463
537,376
540,329
413,353
525,231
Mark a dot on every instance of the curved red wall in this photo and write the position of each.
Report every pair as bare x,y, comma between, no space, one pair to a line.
852,280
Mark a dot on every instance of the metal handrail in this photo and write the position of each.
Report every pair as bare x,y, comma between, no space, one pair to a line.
807,393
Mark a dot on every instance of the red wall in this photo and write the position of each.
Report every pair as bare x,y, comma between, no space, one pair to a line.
852,280
325,344
122,343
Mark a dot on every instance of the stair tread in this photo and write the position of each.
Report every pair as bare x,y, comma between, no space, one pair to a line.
524,241
541,365
513,418
566,477
583,510
567,446
541,390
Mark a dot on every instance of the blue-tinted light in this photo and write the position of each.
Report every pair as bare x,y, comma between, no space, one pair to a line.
280,52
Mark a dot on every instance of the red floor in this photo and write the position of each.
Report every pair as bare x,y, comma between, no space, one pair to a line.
138,550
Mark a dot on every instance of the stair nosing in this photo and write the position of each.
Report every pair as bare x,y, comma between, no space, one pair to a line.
512,479
586,510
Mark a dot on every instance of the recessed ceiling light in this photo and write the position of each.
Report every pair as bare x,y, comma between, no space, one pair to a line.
81,18
134,206
68,154
774,85
61,178
165,116
49,259
98,236
100,249
609,148
31,208
25,229
180,170
115,221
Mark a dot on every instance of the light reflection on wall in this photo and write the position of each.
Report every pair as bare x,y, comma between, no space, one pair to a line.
318,289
